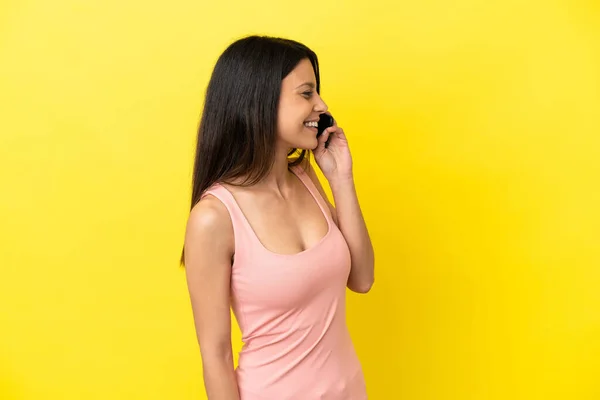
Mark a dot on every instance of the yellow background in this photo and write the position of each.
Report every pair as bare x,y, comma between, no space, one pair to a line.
475,131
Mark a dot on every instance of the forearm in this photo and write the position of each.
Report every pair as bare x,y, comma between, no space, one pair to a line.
219,378
352,224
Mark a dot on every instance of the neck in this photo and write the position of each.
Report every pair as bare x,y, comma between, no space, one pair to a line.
279,176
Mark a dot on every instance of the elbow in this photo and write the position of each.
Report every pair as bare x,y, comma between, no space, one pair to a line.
363,278
217,354
362,287
365,288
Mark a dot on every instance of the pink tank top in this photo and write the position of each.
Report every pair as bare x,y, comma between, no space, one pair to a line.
291,311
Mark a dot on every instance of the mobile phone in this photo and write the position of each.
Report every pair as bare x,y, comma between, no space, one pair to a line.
325,121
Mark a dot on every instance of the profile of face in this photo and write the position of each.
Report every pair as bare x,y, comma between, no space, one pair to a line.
299,108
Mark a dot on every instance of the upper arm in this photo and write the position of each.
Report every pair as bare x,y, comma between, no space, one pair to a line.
208,253
310,171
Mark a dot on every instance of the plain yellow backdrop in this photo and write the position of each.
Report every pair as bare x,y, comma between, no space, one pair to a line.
475,130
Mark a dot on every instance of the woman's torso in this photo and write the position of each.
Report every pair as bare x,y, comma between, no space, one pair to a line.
291,307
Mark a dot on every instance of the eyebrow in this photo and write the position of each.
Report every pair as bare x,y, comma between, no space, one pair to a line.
309,84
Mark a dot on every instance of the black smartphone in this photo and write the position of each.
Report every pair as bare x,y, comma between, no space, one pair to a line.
325,121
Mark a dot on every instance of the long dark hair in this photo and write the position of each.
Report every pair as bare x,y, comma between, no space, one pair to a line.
238,128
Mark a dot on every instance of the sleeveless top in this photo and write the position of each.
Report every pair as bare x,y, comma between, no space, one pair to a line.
291,312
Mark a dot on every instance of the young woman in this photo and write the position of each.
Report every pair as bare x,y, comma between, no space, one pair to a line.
263,239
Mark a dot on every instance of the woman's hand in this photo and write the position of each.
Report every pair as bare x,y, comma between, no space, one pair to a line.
334,160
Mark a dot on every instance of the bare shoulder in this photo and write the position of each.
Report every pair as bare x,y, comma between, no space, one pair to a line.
209,227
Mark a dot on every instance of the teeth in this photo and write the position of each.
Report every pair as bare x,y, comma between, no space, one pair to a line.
313,124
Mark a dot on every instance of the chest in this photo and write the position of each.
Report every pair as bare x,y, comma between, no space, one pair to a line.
286,225
268,281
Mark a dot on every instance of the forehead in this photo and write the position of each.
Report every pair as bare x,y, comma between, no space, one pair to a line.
303,73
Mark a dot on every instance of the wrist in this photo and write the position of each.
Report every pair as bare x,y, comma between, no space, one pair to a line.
341,182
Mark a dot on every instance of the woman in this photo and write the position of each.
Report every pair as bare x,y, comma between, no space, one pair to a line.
262,238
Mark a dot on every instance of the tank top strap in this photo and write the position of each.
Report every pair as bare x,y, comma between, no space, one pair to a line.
242,231
312,188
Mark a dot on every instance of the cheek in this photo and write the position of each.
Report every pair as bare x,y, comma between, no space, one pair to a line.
288,130
292,113
290,122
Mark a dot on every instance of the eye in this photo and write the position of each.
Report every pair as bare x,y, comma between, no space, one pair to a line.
307,94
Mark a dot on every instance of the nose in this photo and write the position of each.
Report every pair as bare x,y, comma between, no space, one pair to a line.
320,106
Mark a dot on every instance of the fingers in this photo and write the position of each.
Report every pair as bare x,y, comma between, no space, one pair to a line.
339,132
326,136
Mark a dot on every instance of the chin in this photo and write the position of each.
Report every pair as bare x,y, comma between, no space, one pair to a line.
302,142
309,146
304,145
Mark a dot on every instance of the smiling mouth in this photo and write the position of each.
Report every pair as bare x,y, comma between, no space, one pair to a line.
311,124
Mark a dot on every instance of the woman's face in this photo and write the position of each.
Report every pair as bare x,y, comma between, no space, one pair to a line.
299,108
